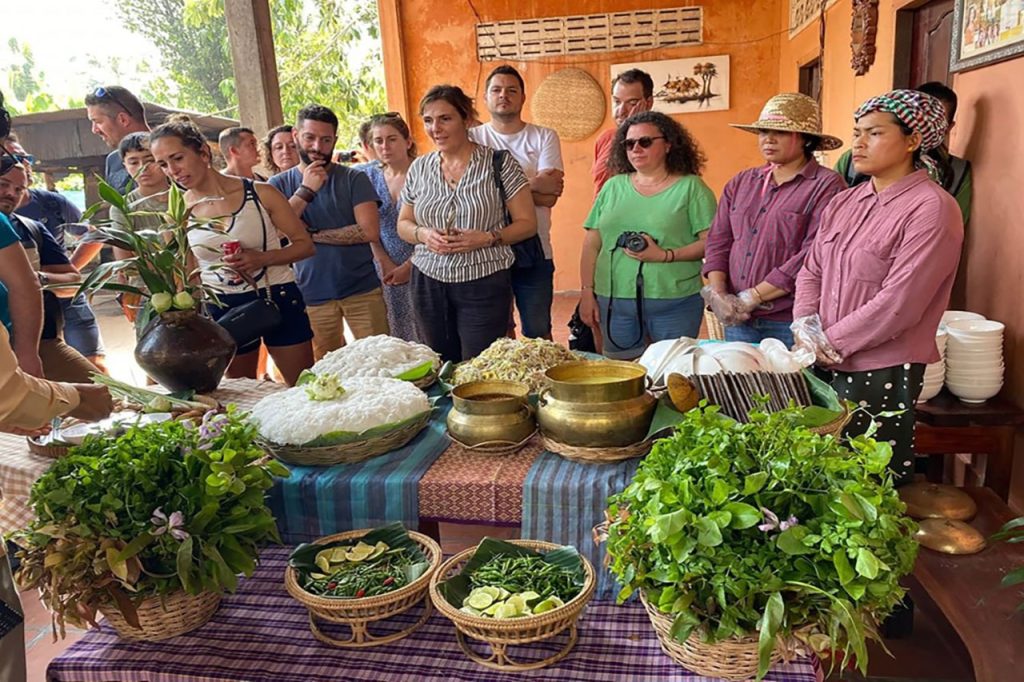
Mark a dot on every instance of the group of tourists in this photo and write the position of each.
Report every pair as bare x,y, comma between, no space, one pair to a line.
442,247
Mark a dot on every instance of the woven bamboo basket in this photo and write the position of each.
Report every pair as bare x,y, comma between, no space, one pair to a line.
54,451
716,332
346,453
165,617
835,427
427,381
359,614
733,659
607,455
499,634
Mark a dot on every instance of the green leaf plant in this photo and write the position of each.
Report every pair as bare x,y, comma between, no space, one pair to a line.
764,529
164,507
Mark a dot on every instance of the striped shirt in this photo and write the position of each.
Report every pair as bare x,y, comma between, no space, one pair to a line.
474,204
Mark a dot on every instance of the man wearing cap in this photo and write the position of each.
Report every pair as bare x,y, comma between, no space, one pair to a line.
114,112
766,220
877,279
632,92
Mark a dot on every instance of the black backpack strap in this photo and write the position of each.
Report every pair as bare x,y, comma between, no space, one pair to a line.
960,167
497,161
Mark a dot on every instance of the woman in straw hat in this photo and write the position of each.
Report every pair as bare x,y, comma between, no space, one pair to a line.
878,276
766,220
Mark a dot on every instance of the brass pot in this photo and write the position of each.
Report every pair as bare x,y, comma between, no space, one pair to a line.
596,404
490,412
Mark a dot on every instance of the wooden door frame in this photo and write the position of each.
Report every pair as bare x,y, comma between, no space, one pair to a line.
903,41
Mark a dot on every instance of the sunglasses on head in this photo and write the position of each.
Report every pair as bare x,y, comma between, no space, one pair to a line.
643,142
8,161
104,94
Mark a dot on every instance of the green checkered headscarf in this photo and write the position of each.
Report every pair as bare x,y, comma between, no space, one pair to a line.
920,112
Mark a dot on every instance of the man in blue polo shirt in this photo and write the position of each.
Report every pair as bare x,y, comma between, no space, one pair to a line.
339,206
114,112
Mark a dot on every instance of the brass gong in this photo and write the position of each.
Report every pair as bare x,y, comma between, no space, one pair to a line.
949,536
937,501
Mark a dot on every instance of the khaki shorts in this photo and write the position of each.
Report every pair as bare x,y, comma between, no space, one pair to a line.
61,362
366,315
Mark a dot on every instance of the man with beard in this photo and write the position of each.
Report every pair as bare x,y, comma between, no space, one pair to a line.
50,262
538,151
114,112
632,93
339,206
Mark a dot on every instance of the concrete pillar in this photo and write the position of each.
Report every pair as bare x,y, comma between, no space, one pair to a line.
252,55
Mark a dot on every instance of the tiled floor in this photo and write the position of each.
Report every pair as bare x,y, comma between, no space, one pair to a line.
932,652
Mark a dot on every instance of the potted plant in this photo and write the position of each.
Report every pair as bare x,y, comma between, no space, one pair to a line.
149,528
749,542
177,346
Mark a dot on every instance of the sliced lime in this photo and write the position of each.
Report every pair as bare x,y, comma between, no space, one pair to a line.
471,611
517,602
493,608
323,563
480,600
529,596
491,590
507,610
317,576
503,593
378,549
549,604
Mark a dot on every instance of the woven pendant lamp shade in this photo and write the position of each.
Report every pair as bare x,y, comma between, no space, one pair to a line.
571,102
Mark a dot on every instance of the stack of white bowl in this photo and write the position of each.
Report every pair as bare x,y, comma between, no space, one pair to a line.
935,373
974,359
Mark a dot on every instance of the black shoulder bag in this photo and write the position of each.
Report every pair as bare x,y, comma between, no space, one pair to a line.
251,321
529,252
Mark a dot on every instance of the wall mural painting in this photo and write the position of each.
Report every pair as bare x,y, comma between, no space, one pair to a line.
683,86
986,31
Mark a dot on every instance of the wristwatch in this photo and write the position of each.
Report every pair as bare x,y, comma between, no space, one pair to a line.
44,279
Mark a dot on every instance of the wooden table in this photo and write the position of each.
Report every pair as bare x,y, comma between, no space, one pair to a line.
946,426
968,590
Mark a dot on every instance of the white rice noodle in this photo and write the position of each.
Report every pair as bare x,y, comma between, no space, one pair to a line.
376,356
291,418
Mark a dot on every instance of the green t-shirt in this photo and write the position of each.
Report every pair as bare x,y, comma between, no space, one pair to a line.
673,218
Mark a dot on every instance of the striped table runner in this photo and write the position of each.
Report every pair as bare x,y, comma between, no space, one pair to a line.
564,500
261,635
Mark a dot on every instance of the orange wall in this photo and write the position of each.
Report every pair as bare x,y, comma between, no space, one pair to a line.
988,133
437,45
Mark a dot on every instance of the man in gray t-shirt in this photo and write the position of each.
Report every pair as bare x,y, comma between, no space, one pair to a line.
339,206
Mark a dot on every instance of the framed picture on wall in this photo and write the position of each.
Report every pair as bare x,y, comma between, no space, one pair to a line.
685,86
986,31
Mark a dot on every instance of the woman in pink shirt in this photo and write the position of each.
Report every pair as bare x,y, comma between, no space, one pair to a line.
878,277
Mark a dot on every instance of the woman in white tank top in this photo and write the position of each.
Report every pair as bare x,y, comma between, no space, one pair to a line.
257,216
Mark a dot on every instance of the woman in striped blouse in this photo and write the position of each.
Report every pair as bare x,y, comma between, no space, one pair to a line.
462,229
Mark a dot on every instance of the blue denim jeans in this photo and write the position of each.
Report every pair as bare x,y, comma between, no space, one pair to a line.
663,319
756,331
534,290
81,330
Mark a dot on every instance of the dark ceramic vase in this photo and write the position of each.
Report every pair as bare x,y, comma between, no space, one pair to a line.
183,350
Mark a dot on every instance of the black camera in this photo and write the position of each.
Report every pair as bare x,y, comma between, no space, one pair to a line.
632,241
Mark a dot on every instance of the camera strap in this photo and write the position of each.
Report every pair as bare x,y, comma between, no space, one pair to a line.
639,304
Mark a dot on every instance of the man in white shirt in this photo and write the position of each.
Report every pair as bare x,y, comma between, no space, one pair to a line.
241,153
538,151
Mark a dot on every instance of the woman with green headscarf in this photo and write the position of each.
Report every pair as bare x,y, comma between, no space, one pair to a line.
877,279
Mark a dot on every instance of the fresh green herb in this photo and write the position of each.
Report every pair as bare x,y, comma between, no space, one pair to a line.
163,507
1012,531
764,527
526,574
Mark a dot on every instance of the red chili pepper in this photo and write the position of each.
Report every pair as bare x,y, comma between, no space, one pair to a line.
360,593
331,586
389,580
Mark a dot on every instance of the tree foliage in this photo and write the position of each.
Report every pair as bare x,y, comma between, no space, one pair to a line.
324,54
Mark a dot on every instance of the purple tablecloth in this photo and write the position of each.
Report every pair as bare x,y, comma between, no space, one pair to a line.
261,635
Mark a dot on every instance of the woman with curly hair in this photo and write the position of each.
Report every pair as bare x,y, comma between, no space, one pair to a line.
640,267
278,149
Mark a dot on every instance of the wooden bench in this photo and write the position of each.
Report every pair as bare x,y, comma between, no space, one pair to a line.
947,426
968,591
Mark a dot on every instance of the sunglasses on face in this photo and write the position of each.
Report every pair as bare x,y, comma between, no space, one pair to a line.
643,142
104,94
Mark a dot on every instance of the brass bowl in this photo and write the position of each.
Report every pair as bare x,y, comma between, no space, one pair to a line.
490,412
600,381
596,404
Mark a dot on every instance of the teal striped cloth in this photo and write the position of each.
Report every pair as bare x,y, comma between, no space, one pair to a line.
317,501
564,500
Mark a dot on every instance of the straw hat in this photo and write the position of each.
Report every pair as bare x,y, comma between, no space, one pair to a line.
794,113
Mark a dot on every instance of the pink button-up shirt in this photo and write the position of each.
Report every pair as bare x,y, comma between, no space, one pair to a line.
881,270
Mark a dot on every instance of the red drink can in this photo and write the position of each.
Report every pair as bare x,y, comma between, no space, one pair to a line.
230,248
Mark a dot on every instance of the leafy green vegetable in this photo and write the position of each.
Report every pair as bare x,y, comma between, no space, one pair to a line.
163,507
764,527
